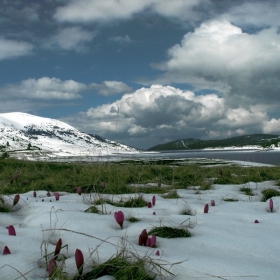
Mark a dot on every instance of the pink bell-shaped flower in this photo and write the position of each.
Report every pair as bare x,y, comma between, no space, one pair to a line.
79,258
153,241
154,200
206,208
11,230
119,217
56,196
143,238
271,205
79,190
6,250
212,202
52,267
57,248
149,205
16,199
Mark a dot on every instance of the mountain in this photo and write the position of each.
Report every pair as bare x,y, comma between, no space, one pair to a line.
27,136
258,140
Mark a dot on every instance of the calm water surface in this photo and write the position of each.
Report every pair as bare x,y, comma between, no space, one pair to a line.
260,156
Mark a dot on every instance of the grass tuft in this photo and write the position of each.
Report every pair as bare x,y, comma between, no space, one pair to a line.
169,232
269,193
230,199
247,191
173,194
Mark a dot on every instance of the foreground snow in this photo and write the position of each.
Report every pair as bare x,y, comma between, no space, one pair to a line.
225,243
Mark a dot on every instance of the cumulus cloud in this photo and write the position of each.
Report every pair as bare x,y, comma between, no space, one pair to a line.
70,38
272,126
157,114
109,10
12,48
111,87
44,88
219,55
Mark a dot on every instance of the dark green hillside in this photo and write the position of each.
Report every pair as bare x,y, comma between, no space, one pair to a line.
264,140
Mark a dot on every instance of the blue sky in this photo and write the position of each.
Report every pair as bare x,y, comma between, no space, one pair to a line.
144,72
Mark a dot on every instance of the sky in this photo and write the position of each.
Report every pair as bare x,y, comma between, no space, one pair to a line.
144,72
225,243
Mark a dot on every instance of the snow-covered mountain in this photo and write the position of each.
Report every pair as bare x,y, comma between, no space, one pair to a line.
27,136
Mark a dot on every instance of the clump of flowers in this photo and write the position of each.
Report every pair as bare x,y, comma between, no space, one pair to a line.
144,240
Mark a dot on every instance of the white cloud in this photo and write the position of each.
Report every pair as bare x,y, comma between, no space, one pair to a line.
259,14
121,39
272,126
70,38
149,115
12,48
44,88
219,55
111,87
109,10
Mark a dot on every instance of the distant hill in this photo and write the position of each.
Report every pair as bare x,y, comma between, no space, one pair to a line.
260,140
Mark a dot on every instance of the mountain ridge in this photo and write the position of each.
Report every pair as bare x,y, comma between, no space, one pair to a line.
258,140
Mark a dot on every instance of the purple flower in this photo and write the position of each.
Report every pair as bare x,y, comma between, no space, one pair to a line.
79,258
154,200
57,248
154,213
56,196
143,238
212,202
6,251
256,221
16,199
153,241
52,267
206,208
79,190
11,230
149,205
48,194
34,194
271,205
157,253
119,216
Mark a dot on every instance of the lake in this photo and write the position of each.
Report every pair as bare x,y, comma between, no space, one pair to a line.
259,156
250,155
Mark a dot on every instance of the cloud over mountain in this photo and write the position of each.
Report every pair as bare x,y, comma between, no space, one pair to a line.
162,113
